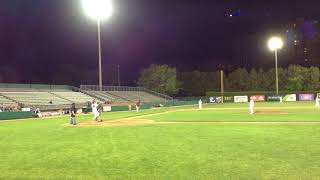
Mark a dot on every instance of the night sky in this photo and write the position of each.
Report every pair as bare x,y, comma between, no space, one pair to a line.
53,41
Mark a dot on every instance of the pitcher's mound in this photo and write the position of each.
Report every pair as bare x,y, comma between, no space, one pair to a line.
124,122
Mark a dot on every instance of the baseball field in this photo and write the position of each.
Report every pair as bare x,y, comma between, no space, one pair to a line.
221,141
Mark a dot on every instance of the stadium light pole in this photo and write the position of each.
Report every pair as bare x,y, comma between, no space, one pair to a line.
98,10
222,84
118,68
276,43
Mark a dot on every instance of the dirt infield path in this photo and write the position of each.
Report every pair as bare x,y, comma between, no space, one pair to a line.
135,122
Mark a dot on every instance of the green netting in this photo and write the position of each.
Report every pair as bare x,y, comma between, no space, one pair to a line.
119,108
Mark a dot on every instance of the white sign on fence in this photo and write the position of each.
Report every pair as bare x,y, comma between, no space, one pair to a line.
239,99
106,108
290,98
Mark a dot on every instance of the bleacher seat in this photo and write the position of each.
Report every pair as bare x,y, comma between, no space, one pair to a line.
43,95
5,101
76,97
134,96
35,98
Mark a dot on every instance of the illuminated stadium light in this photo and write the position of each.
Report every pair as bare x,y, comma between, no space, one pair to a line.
275,43
98,9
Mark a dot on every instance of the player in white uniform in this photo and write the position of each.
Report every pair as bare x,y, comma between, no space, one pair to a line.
281,99
251,106
95,110
317,102
200,104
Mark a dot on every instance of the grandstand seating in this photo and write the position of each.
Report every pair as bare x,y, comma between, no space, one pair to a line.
63,96
146,97
18,90
108,97
125,94
5,101
101,95
35,98
134,96
42,97
76,97
114,98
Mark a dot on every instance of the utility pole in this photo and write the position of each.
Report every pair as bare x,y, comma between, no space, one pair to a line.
119,83
222,84
100,57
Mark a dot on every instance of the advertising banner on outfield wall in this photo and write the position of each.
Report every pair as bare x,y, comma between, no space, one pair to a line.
290,98
239,99
258,98
306,97
215,99
106,108
273,98
228,99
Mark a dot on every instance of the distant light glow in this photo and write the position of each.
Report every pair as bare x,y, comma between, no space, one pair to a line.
275,43
98,9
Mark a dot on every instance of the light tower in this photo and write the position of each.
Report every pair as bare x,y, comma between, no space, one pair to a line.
98,10
276,43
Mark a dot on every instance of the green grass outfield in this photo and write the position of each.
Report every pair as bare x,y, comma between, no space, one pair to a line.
182,143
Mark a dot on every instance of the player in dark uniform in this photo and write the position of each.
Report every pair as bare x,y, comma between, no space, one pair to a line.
100,110
73,112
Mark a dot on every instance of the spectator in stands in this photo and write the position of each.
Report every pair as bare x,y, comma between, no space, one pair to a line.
50,102
73,112
138,104
4,108
38,113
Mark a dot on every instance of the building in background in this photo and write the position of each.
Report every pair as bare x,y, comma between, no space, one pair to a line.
303,41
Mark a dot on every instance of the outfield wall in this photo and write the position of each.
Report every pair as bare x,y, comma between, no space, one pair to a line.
292,97
15,115
232,99
251,93
154,104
